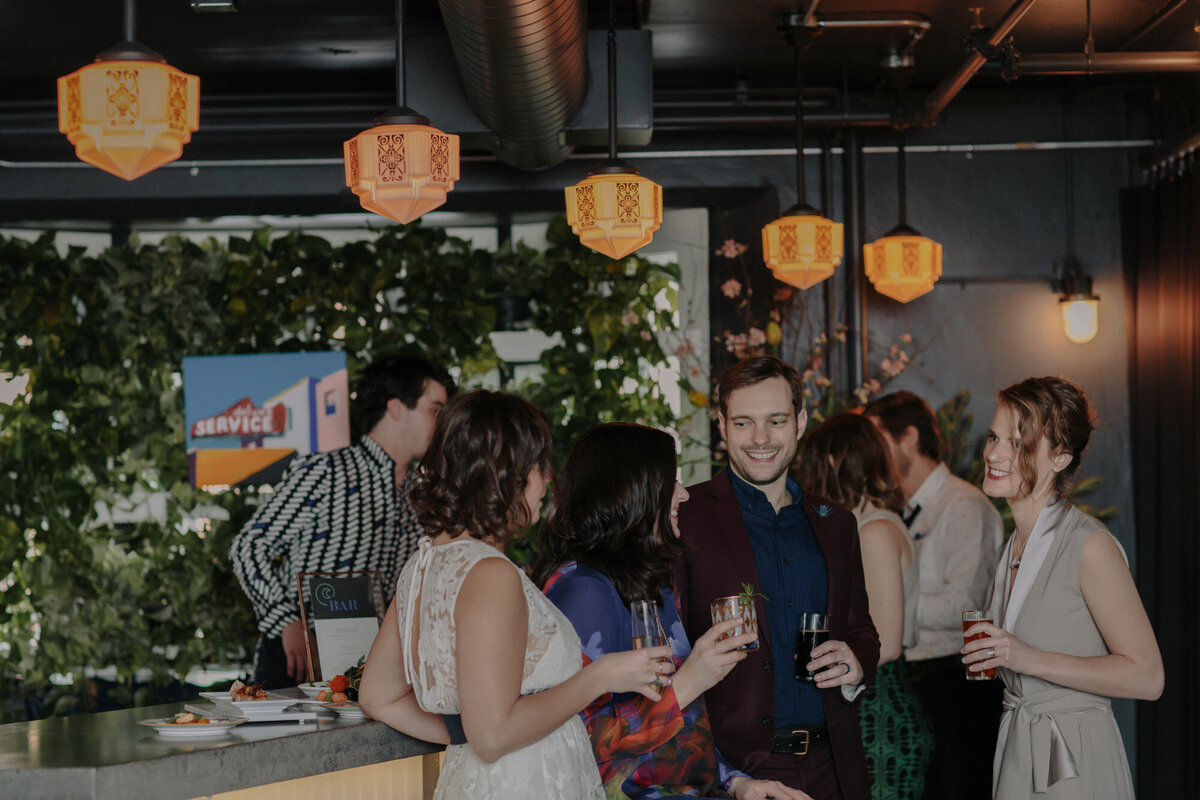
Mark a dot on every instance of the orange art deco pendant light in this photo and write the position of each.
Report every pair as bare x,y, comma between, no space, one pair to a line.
402,167
129,112
801,248
902,264
614,210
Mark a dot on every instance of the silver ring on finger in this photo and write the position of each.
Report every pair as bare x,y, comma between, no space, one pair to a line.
991,651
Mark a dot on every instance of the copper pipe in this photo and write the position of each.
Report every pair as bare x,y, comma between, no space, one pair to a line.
1108,63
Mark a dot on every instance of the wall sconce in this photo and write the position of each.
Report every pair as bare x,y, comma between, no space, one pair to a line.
614,210
801,248
402,167
130,111
1080,308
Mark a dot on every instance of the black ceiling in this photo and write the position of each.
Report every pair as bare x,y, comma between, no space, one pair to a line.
293,78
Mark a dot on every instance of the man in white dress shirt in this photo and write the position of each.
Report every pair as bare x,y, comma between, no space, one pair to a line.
957,535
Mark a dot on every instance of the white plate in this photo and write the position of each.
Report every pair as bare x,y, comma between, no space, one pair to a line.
185,730
347,710
313,689
250,708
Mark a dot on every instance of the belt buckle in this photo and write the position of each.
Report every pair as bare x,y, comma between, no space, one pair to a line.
807,738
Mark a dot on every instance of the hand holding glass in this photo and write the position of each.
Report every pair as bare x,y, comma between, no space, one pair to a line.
734,607
969,618
812,629
648,632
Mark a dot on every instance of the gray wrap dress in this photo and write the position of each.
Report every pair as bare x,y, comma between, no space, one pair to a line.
1055,743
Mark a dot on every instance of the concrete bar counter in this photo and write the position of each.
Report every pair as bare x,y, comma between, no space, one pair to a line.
109,756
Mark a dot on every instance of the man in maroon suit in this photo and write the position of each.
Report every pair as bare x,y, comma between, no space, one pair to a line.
753,524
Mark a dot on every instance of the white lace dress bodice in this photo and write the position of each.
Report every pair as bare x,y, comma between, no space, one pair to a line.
561,764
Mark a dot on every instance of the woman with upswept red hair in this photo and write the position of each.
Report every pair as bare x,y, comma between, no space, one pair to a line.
1070,630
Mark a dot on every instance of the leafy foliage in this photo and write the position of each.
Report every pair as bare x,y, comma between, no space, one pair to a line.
101,426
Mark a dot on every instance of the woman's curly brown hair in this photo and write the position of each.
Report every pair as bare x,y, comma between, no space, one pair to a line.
846,459
473,476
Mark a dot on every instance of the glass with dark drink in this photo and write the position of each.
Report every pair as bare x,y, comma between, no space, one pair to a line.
811,630
969,618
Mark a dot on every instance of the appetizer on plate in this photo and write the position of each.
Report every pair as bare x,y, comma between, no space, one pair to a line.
344,687
240,692
189,724
313,689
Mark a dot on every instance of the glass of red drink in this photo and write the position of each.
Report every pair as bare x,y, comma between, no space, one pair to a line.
969,618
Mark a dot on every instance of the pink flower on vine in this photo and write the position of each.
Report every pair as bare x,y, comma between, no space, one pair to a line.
685,350
870,386
731,288
645,334
905,337
735,343
629,318
731,249
757,338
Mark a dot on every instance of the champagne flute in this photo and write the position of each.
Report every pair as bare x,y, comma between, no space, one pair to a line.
647,628
648,631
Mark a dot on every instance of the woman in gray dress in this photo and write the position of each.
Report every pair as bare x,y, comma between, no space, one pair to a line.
1071,631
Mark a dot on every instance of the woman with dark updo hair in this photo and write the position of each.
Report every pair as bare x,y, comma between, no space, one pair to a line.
1070,630
610,542
470,653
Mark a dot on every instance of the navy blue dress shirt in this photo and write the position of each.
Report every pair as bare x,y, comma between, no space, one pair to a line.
792,570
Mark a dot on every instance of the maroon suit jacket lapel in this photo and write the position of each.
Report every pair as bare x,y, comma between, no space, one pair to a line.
741,555
833,550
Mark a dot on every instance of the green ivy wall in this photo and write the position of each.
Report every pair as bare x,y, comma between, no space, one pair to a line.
102,422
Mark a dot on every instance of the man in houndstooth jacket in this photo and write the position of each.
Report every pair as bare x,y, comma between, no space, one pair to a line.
346,509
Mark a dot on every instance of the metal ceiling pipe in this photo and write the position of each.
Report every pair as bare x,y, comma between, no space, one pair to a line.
1151,23
1107,63
953,83
523,64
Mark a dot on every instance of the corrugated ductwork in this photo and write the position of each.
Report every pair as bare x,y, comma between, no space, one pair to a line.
523,64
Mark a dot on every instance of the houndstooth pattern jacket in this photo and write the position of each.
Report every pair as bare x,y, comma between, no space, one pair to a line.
331,511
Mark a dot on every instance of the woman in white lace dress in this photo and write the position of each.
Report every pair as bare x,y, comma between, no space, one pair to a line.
470,653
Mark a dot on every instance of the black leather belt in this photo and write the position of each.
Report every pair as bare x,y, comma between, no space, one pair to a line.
797,741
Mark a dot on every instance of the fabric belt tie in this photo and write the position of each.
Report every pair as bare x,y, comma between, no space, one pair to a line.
455,727
798,741
1049,749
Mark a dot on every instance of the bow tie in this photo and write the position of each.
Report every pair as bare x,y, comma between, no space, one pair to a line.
911,515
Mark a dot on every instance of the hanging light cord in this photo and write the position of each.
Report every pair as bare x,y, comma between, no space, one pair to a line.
901,183
129,15
612,81
800,182
401,83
